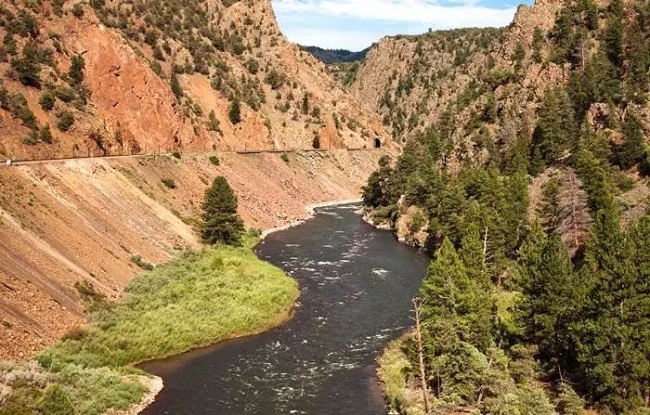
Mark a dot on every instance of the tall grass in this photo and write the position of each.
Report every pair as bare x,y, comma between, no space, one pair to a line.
201,298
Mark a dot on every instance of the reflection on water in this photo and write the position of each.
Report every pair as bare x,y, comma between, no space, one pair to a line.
356,283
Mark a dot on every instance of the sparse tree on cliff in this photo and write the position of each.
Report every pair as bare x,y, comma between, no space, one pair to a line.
221,223
234,113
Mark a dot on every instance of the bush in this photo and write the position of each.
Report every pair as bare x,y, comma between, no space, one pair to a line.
176,154
214,160
65,94
275,79
45,134
66,121
47,101
28,67
285,157
78,10
56,401
31,139
137,260
169,183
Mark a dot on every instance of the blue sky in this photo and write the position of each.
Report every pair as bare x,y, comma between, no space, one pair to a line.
356,24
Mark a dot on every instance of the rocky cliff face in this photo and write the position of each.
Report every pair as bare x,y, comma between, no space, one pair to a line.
150,76
416,81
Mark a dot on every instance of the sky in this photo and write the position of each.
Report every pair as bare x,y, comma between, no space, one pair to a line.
356,24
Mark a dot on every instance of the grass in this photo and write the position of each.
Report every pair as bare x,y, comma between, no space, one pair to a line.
393,365
198,299
393,370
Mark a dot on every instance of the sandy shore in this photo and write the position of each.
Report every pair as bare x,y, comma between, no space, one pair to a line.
311,211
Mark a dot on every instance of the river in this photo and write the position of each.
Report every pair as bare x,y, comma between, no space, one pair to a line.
356,284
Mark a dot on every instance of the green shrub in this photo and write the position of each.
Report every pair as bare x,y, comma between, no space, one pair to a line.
31,139
214,160
285,157
78,10
176,154
66,121
76,72
45,135
56,401
169,183
65,94
47,101
137,260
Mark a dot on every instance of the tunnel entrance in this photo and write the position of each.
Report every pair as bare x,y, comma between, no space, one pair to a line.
377,143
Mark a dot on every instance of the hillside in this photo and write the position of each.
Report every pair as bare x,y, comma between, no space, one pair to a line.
525,173
122,77
190,79
330,56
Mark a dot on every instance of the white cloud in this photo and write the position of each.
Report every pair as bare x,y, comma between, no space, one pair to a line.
356,24
437,16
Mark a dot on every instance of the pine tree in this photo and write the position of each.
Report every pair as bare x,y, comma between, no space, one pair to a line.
551,300
610,363
614,35
473,255
556,126
76,73
176,86
234,112
221,223
549,208
538,39
451,299
379,189
632,150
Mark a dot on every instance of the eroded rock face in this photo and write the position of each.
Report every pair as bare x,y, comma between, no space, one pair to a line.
129,103
413,81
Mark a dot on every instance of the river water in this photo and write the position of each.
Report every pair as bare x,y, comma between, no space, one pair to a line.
356,284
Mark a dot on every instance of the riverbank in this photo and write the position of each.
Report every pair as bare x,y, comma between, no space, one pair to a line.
311,211
201,298
392,368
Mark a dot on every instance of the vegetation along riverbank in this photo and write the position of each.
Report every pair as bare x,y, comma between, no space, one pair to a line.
200,298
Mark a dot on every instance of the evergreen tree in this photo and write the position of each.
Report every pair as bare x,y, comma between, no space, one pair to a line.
638,56
632,150
611,363
221,223
556,128
28,67
551,300
234,112
538,39
379,189
596,180
176,86
549,209
76,73
471,252
451,300
614,34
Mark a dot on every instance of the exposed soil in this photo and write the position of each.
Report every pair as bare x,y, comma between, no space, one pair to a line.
84,220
